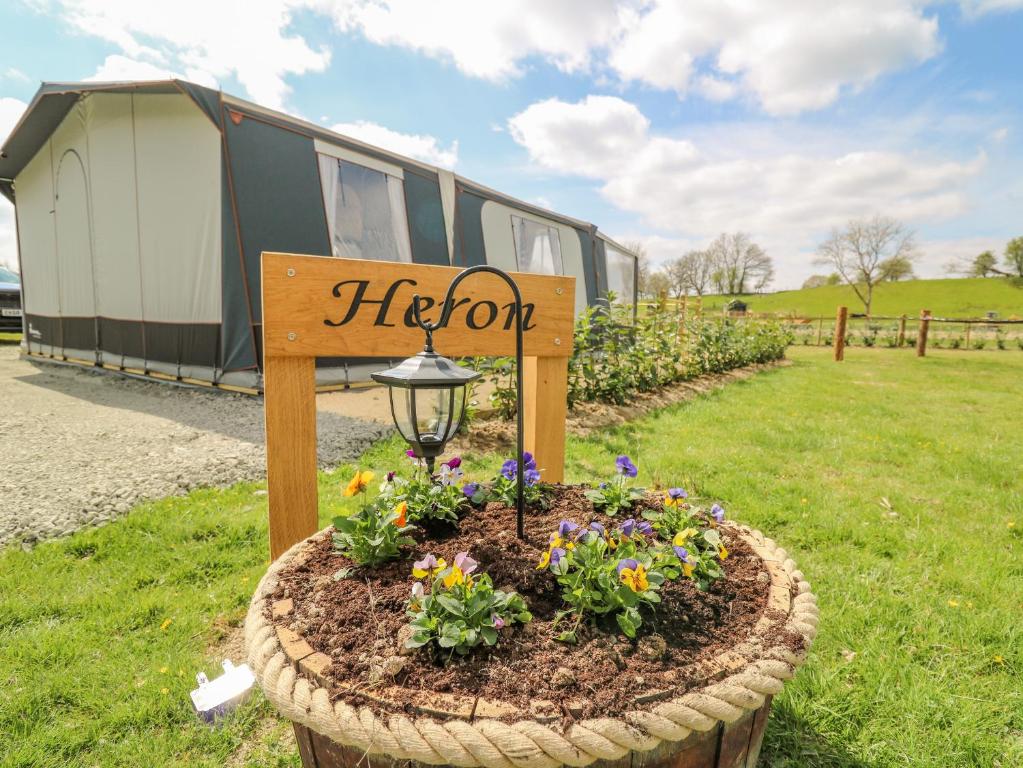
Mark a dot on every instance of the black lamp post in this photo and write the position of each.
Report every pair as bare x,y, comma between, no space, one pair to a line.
428,391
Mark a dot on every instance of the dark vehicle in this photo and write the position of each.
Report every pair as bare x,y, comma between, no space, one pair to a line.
10,300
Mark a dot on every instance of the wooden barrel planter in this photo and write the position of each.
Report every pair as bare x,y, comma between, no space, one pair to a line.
714,717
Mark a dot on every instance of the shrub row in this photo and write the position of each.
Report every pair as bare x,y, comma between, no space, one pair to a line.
615,355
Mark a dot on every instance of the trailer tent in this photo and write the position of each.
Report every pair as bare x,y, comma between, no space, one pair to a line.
142,210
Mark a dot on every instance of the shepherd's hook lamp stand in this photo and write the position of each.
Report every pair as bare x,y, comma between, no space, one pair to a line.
432,405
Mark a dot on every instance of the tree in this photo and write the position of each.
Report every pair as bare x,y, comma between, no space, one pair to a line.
983,264
897,268
815,281
658,284
1014,257
690,272
858,253
642,266
739,264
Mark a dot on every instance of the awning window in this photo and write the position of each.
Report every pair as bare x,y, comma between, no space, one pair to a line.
537,247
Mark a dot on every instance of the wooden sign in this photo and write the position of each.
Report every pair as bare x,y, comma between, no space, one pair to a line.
353,307
317,306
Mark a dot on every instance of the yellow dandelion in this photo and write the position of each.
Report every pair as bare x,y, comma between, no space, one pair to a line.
163,670
997,658
166,623
1011,524
953,603
165,691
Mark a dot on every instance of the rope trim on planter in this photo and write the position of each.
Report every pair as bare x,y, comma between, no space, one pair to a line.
489,743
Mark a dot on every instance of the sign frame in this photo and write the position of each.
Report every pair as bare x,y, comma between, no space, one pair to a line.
316,306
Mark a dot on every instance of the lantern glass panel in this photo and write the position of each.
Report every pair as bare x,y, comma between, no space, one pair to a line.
438,411
401,407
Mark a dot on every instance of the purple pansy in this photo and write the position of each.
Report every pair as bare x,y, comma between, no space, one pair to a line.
390,477
528,461
682,552
556,554
626,467
498,621
509,468
531,477
717,512
410,453
454,463
565,527
469,489
628,527
677,493
595,526
428,563
627,563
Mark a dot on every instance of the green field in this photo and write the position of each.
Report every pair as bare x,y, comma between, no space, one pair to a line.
964,297
894,481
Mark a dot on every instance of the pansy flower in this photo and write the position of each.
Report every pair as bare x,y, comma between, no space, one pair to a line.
429,565
531,477
683,536
417,592
402,511
509,468
683,556
454,462
358,483
633,575
722,553
460,571
565,527
717,513
497,621
674,497
626,467
450,475
469,489
390,476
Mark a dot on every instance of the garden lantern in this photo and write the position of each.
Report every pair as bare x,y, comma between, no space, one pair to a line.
427,400
428,391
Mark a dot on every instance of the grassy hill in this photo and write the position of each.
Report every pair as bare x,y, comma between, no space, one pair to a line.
962,297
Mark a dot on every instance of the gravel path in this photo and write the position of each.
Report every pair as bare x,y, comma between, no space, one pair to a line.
79,447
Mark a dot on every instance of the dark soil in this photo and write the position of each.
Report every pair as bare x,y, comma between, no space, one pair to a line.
356,620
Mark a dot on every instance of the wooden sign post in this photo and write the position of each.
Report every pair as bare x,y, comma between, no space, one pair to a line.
317,306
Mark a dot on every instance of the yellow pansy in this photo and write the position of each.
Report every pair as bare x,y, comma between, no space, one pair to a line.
358,483
723,553
635,578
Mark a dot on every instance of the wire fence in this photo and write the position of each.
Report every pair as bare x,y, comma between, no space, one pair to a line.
901,332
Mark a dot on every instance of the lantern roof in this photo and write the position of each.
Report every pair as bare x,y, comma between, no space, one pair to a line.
427,369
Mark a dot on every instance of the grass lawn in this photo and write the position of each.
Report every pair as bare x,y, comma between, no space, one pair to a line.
919,658
8,337
951,297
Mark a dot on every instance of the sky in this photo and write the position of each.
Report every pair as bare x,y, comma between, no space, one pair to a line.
663,122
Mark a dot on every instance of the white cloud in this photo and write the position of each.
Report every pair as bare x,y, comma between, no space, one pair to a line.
207,41
13,73
482,39
415,145
117,68
785,194
790,55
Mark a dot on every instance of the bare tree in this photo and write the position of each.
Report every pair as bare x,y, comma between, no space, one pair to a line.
690,272
642,266
858,252
740,265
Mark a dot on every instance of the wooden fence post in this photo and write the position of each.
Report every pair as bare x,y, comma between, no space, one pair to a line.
902,331
921,335
838,342
820,330
968,327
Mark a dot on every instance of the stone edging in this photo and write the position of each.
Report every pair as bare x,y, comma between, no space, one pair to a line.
288,671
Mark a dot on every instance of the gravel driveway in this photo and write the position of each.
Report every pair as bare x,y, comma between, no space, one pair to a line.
79,447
